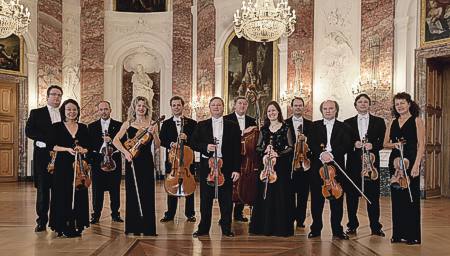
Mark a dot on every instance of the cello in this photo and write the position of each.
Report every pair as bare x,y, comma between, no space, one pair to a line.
215,177
142,137
300,150
180,181
107,164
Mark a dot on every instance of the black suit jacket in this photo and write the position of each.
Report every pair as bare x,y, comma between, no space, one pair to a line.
249,121
96,140
169,132
307,125
231,143
375,135
340,144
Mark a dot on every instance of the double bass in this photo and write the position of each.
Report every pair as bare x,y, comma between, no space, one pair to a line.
107,164
180,181
215,177
300,150
133,145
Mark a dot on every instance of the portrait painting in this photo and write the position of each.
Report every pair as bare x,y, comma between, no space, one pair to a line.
140,5
250,71
435,22
11,55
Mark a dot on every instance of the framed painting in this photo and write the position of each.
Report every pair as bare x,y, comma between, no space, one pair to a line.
434,22
250,70
11,55
140,5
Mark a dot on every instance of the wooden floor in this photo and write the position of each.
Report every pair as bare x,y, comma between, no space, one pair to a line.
17,221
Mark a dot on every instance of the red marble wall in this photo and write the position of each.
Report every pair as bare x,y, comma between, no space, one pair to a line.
92,56
302,41
206,44
377,20
49,44
182,50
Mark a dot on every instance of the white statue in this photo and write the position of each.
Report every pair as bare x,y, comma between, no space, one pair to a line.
142,85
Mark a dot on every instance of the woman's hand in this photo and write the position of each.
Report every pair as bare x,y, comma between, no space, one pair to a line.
415,171
128,156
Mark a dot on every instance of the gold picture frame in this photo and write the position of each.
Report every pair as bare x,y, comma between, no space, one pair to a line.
434,23
11,55
274,88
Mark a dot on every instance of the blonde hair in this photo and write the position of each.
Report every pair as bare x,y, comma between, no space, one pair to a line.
132,108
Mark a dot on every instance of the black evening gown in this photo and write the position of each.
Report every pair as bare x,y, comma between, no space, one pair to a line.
405,215
64,219
274,215
144,169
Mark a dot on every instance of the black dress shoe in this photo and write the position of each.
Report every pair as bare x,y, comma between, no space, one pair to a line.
312,235
199,233
395,240
341,236
412,242
240,218
94,220
378,233
40,228
165,219
351,231
117,219
227,233
191,219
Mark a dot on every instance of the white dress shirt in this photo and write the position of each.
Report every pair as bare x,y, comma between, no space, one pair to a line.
241,121
296,122
363,125
177,121
217,124
105,124
329,125
55,116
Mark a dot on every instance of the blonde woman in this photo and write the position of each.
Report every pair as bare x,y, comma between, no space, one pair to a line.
140,201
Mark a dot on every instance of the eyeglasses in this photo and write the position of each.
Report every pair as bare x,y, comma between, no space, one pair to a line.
55,94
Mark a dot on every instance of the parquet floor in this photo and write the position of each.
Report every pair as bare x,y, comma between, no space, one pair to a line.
17,217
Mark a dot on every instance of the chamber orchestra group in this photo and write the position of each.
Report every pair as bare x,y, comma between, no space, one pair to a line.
273,166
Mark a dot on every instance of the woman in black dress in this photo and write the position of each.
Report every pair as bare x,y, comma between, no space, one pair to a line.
140,211
65,219
273,216
408,126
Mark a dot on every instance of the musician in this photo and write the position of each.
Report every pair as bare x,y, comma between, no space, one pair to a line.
140,215
300,177
69,212
335,137
228,149
407,125
38,128
272,213
170,131
246,124
372,128
101,131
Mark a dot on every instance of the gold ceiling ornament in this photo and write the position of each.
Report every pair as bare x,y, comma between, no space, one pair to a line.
14,18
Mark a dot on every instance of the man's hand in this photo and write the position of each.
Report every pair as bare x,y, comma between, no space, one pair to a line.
368,146
211,147
183,136
107,139
235,176
326,157
358,144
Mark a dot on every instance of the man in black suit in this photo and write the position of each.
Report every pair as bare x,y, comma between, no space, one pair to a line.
334,137
39,128
246,124
228,149
298,125
100,131
372,128
170,131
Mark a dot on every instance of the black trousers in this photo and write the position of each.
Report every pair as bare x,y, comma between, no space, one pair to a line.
106,181
317,203
43,184
301,191
172,201
207,199
372,191
238,210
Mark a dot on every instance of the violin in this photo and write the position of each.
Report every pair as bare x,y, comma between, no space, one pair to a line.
215,177
400,179
268,174
300,150
331,189
107,164
180,181
142,137
368,172
82,170
51,164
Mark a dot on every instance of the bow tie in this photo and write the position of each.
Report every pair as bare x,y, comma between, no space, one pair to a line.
297,119
327,122
241,117
218,120
363,117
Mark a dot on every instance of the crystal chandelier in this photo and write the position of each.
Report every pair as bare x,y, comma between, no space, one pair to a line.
14,18
260,21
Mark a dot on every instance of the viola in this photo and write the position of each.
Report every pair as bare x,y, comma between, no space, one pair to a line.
368,172
180,181
142,137
51,164
82,170
215,177
300,150
331,189
268,174
107,164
